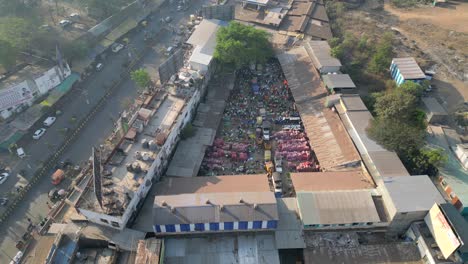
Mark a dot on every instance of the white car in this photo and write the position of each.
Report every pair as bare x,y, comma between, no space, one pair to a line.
3,177
65,23
49,121
39,133
99,66
75,15
116,47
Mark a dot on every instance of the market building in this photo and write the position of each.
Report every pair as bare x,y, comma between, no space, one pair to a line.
406,69
214,204
339,83
319,52
435,113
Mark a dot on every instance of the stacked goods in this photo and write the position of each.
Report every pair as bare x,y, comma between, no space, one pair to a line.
287,135
239,147
307,166
295,155
296,146
294,140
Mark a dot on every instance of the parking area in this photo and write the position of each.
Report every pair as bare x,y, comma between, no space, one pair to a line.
261,130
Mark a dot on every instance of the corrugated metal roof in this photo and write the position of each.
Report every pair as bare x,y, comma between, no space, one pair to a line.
319,29
341,207
331,181
388,163
414,193
333,81
409,68
213,184
215,207
319,52
319,12
329,139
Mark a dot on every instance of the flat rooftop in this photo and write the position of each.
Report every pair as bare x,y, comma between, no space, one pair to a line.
213,184
337,207
122,184
433,106
30,72
328,137
331,181
234,249
413,193
320,54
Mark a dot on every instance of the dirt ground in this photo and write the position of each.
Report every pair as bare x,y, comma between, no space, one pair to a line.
435,36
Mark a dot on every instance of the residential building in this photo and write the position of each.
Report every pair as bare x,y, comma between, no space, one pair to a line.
461,151
406,69
407,200
214,204
435,113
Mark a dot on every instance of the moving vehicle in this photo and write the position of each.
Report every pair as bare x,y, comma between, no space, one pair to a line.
267,155
4,176
116,47
277,184
49,121
39,133
99,66
64,23
58,177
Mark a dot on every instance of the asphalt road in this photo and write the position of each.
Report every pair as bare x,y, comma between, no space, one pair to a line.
78,104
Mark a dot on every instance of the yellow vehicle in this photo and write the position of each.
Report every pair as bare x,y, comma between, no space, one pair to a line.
269,167
259,121
267,145
267,155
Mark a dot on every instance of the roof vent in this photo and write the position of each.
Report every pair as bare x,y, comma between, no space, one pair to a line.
255,206
208,201
173,210
163,203
241,200
221,207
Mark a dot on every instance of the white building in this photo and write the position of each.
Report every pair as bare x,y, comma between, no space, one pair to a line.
203,40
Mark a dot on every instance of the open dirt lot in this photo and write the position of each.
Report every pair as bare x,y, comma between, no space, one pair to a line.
435,36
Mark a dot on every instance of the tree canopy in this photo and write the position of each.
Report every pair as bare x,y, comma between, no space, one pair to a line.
239,45
141,77
400,126
8,54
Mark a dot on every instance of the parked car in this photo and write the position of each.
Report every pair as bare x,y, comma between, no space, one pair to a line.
64,23
99,66
74,15
20,153
39,133
49,121
278,164
116,47
4,176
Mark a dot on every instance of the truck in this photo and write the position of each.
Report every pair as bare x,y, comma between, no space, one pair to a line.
277,184
266,130
57,177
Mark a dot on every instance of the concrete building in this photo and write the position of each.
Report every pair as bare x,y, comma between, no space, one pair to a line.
406,69
435,113
20,90
257,3
339,83
203,39
442,237
319,52
214,204
407,200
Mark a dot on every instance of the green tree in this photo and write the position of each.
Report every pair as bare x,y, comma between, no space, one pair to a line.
396,135
16,31
8,54
395,105
239,45
141,77
412,88
74,49
380,61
